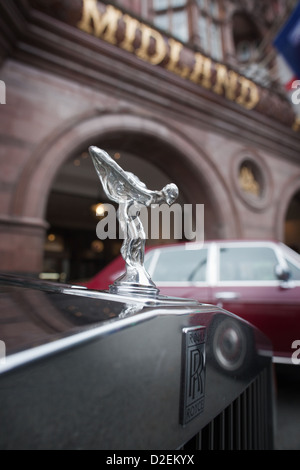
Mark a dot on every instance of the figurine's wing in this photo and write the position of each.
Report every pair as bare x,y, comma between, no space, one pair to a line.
118,184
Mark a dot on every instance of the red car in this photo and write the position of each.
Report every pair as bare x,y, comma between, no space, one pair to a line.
257,280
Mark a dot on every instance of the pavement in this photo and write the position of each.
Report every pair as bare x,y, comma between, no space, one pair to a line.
287,406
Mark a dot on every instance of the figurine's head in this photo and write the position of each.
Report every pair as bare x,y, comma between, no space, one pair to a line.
171,193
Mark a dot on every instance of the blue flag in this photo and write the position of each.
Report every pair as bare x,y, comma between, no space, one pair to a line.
287,41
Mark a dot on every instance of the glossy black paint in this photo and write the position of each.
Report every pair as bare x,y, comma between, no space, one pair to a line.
82,373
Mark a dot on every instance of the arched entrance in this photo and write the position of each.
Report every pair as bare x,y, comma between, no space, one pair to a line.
292,223
287,220
168,151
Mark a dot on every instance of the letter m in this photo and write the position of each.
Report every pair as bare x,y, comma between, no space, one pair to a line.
165,211
100,25
2,92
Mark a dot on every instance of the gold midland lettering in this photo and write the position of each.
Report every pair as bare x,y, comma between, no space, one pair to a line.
150,46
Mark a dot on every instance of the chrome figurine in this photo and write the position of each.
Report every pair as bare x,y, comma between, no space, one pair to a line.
130,193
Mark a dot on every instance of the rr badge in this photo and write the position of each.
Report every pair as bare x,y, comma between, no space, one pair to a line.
193,373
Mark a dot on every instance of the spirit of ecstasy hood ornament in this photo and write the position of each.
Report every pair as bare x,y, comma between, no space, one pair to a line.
130,193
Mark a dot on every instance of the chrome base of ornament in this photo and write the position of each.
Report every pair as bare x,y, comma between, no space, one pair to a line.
126,289
134,282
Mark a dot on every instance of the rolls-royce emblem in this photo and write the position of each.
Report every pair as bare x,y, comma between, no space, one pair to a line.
193,373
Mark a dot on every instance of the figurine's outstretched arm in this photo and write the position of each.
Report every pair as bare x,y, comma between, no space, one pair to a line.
121,185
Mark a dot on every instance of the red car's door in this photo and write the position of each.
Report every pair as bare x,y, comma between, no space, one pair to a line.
247,285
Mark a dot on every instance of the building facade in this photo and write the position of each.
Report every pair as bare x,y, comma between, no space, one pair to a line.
180,91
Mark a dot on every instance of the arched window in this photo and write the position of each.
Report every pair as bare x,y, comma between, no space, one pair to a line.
246,36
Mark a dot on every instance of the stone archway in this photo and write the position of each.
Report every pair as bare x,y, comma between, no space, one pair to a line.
167,148
292,223
288,218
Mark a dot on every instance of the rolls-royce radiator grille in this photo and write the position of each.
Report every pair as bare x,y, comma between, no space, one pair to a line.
244,425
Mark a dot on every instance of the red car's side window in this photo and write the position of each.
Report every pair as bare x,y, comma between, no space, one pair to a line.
247,264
